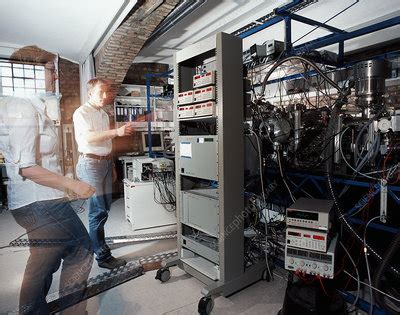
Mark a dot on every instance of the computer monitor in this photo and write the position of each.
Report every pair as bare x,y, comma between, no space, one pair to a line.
157,141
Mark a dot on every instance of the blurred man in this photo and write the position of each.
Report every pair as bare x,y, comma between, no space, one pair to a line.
37,199
95,165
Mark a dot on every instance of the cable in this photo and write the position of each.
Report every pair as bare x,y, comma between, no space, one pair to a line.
301,189
264,203
358,275
345,160
283,177
345,9
372,287
164,187
367,264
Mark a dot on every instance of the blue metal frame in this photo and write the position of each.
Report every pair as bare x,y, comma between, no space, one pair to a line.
338,37
272,21
149,77
361,303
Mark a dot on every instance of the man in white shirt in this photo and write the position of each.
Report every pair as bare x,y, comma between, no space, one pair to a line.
95,165
36,195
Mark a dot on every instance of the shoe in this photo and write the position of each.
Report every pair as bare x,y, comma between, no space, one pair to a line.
112,263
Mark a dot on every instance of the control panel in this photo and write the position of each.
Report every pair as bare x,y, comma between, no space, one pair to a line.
311,262
307,239
200,80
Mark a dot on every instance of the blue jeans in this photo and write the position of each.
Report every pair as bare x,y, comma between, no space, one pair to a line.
97,173
52,220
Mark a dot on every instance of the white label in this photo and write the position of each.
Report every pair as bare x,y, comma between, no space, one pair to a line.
186,149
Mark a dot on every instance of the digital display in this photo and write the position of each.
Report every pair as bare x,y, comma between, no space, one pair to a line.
302,215
294,234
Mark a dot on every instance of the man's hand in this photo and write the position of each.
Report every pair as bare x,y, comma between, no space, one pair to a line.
125,130
82,190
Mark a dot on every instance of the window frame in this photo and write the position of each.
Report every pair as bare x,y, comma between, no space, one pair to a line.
26,90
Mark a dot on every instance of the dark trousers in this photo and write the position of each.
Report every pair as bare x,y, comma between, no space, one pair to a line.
53,220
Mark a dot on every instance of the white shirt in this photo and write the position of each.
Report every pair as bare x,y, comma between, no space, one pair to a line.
88,118
27,138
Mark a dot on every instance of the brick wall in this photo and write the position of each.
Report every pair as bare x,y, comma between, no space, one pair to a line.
117,55
69,88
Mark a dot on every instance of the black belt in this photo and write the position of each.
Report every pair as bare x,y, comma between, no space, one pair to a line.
97,157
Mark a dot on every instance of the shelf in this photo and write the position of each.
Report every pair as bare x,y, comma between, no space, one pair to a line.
204,266
131,97
197,118
155,126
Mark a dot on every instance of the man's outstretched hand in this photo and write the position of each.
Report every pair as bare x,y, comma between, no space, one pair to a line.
125,130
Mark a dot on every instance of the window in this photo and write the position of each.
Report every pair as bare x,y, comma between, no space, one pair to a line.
21,79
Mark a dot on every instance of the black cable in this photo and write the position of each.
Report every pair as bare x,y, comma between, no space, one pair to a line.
164,187
315,28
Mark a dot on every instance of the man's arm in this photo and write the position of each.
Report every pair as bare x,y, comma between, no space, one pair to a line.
44,177
96,136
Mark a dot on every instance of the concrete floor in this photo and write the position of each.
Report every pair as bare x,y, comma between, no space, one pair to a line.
143,295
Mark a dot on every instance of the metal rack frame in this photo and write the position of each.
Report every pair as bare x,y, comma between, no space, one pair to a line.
149,95
227,50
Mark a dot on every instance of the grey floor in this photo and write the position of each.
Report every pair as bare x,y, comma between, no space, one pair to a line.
143,295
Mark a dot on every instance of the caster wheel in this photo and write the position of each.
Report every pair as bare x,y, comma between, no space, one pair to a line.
163,274
206,304
265,275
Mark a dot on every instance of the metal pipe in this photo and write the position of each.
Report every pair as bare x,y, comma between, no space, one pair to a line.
297,127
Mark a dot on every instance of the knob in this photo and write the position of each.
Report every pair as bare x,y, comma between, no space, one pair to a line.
326,268
314,265
291,261
302,263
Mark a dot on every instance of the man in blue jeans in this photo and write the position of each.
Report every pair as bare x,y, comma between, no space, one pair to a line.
95,165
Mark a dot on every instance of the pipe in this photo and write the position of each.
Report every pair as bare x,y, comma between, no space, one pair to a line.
178,14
